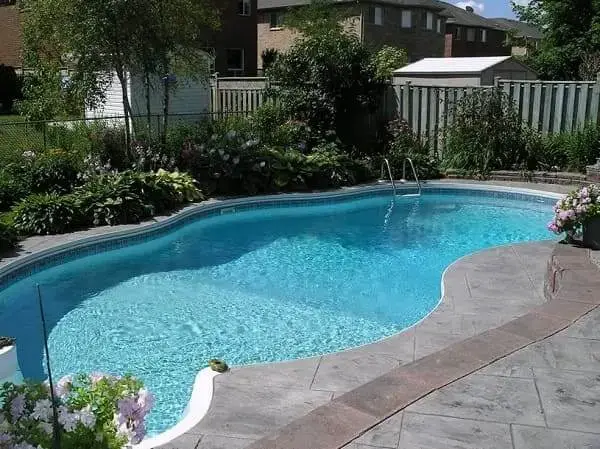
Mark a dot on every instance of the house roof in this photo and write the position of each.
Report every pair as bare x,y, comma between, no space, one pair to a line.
450,66
456,15
521,29
275,4
460,16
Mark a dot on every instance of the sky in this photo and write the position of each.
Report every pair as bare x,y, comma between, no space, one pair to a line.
490,8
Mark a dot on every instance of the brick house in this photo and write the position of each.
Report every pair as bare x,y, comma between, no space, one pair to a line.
425,28
233,45
471,35
418,26
11,41
522,37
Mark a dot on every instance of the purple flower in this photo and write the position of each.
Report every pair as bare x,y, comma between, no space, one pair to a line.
17,406
63,387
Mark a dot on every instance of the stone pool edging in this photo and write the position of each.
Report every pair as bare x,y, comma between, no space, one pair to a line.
570,296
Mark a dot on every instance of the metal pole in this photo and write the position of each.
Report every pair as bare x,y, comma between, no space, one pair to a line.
56,432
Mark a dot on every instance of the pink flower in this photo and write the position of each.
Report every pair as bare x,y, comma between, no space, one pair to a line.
64,386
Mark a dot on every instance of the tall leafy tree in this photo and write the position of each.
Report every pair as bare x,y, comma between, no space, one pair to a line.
571,33
328,77
95,38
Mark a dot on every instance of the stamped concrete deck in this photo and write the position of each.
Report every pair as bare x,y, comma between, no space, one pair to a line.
448,382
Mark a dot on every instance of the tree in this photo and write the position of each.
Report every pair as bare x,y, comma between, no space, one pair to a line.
327,78
269,56
318,18
571,32
95,38
387,60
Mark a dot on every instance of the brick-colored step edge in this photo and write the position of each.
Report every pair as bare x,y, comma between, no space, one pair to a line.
573,290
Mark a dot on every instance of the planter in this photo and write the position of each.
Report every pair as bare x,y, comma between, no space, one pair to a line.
9,365
591,234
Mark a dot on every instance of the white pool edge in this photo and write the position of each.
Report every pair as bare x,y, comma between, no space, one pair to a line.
197,408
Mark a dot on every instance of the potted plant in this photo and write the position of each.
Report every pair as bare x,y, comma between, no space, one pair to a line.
8,359
578,213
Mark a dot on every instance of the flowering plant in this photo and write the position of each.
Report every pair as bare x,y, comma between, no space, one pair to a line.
575,209
96,412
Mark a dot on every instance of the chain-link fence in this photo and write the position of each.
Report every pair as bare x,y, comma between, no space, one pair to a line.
18,136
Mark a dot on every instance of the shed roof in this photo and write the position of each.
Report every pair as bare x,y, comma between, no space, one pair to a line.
452,65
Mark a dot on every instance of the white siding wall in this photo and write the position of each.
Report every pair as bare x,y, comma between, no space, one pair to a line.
448,81
113,107
188,97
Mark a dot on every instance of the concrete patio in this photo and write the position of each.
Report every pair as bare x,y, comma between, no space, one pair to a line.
545,395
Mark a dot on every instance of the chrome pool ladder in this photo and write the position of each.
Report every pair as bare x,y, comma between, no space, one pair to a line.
386,167
414,171
386,164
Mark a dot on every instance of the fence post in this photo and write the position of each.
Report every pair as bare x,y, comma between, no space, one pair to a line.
596,99
44,129
497,81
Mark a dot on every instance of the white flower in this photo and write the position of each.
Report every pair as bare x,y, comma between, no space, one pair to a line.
46,427
67,419
236,160
86,417
63,387
226,157
262,164
42,410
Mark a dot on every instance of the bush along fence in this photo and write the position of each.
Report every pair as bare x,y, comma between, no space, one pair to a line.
546,106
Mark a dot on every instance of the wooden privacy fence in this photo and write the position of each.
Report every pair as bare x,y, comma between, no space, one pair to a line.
546,106
237,95
549,107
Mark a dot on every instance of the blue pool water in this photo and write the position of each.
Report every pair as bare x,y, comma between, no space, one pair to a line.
257,286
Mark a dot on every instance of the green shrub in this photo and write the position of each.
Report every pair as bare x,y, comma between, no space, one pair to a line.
328,81
8,236
486,134
47,214
166,191
15,184
580,148
113,199
54,171
402,143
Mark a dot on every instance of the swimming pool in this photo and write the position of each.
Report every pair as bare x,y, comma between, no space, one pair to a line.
266,284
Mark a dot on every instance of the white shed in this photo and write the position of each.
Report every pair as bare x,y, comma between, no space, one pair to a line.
461,72
188,98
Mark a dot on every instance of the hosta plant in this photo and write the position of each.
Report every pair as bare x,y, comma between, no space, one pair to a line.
94,411
575,210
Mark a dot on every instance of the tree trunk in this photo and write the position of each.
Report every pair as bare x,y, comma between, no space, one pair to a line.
126,108
148,103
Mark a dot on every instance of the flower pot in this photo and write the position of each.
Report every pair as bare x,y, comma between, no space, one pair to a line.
9,365
591,234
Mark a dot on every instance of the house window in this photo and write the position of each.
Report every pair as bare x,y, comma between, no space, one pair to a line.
375,15
439,26
276,20
244,7
470,34
429,21
458,33
406,19
235,60
483,35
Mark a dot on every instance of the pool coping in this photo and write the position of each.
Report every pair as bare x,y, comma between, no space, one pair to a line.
196,411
